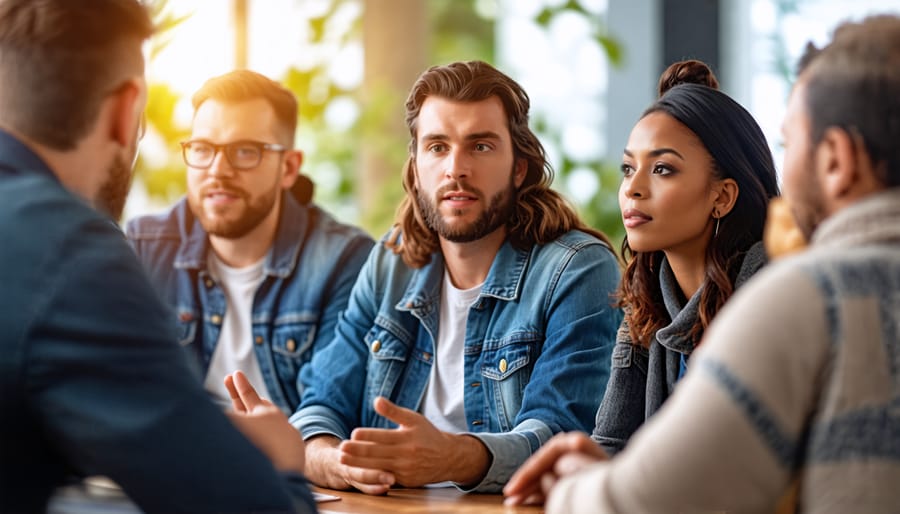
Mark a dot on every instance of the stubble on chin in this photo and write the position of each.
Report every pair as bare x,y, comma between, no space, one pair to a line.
113,193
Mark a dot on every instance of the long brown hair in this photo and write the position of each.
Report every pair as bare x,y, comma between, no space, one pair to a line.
540,214
739,151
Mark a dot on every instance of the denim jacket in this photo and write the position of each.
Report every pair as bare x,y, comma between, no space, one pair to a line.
642,379
537,347
309,272
91,379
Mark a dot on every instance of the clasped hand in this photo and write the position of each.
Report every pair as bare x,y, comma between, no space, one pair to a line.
561,456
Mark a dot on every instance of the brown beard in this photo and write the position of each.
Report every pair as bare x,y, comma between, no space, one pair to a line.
254,214
113,192
500,209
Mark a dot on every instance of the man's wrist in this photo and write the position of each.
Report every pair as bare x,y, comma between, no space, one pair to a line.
472,460
321,458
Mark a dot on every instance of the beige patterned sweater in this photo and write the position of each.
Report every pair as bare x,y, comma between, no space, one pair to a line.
799,375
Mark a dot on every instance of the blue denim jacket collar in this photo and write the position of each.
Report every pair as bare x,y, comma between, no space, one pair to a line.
281,259
504,280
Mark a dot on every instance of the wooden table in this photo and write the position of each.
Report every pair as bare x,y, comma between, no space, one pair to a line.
447,500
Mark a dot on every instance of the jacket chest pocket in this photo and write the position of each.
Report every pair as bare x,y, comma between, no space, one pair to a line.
506,371
291,345
388,356
186,327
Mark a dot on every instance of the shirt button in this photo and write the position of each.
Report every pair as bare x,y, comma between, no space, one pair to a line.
258,339
216,319
376,345
502,365
208,282
291,345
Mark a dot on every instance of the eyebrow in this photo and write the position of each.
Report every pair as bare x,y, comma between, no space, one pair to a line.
470,137
657,152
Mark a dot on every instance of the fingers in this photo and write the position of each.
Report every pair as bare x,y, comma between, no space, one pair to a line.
572,463
236,403
385,436
369,481
395,413
527,480
246,393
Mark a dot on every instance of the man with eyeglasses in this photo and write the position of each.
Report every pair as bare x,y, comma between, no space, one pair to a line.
257,278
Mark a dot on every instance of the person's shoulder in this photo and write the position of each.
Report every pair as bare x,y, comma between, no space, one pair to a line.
325,223
580,243
37,205
169,224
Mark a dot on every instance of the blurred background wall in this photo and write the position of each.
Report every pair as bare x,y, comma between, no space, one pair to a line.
590,67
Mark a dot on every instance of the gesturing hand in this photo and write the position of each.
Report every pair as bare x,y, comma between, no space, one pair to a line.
562,455
416,452
264,425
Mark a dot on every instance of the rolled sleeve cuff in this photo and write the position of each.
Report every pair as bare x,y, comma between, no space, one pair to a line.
318,420
508,451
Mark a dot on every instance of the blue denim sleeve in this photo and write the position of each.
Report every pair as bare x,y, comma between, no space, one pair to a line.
348,266
570,375
334,381
116,397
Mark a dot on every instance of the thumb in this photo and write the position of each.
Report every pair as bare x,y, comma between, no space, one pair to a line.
395,413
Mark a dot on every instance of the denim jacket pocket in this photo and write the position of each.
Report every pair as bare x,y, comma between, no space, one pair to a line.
626,355
507,370
187,328
387,360
291,344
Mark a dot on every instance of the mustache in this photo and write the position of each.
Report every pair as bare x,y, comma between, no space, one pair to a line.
457,187
225,187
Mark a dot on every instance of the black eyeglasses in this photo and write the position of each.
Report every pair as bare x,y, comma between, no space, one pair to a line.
241,155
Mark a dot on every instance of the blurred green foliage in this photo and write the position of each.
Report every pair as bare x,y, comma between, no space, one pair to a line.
332,154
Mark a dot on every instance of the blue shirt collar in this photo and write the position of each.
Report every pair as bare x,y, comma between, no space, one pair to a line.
504,280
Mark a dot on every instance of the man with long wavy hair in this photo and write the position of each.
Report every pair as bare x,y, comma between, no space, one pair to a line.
482,325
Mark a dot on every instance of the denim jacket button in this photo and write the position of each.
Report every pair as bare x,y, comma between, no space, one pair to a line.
426,356
215,319
258,340
208,282
502,365
376,345
477,422
291,345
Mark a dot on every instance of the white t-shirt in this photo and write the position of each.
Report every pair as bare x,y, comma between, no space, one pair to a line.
234,349
444,404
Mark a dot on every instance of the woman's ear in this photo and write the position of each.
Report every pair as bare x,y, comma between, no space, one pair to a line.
726,194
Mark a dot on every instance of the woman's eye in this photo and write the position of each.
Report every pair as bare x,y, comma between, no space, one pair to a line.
659,169
626,169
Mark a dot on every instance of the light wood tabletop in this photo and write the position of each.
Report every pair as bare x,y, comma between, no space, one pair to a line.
447,500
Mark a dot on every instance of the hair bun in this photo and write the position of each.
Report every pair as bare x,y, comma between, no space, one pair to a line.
687,72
